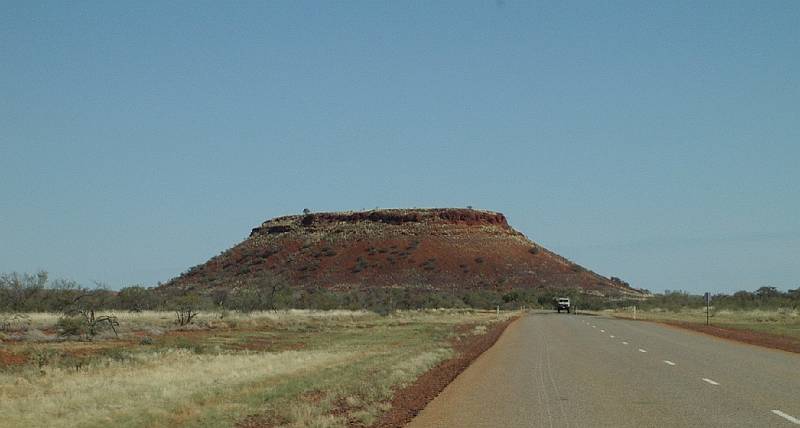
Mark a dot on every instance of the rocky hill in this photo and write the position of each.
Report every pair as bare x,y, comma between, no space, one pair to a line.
439,249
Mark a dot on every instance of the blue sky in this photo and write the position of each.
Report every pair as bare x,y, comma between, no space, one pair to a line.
654,141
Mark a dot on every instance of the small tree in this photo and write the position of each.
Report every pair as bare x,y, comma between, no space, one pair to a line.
266,292
306,211
94,324
220,298
136,299
22,292
767,292
84,308
186,309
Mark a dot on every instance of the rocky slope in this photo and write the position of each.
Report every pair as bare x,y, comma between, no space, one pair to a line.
428,248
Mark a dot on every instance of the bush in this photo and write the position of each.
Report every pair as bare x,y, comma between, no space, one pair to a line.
183,343
136,299
482,299
34,335
14,322
42,357
71,326
185,313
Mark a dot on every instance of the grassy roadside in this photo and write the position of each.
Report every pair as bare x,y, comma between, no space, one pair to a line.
295,368
777,322
771,328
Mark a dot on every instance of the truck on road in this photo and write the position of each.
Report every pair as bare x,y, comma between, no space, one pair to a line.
561,303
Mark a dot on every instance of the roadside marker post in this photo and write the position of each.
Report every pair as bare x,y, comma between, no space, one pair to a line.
707,298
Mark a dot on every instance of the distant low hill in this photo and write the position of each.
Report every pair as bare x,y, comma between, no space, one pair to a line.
437,249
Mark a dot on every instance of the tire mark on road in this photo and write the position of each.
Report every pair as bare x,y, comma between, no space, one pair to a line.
555,385
544,398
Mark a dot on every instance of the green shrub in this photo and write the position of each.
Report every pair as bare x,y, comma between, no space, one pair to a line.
71,326
42,357
183,343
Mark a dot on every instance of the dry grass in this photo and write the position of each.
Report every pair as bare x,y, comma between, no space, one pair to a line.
143,319
162,383
785,322
289,368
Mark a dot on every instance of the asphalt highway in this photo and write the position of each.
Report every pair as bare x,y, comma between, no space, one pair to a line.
560,370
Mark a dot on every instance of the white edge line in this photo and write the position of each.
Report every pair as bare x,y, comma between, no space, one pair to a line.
624,343
789,418
669,362
710,381
612,336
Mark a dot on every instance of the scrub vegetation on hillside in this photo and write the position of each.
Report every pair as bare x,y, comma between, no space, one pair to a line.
36,293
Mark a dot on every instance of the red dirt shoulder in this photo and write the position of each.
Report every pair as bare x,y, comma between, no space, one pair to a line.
409,401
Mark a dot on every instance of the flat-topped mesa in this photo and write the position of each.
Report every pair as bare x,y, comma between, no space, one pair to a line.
431,216
418,249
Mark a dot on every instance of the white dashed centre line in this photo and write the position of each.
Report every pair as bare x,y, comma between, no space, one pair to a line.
602,331
710,381
789,418
594,326
669,362
612,336
624,343
642,350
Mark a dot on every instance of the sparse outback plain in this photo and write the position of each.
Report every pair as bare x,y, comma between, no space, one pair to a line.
777,328
275,368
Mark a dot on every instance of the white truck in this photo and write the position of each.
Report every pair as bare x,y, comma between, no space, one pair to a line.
561,303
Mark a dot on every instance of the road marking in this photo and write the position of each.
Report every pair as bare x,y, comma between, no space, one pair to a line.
669,362
642,350
710,381
602,331
624,343
594,326
789,418
612,336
